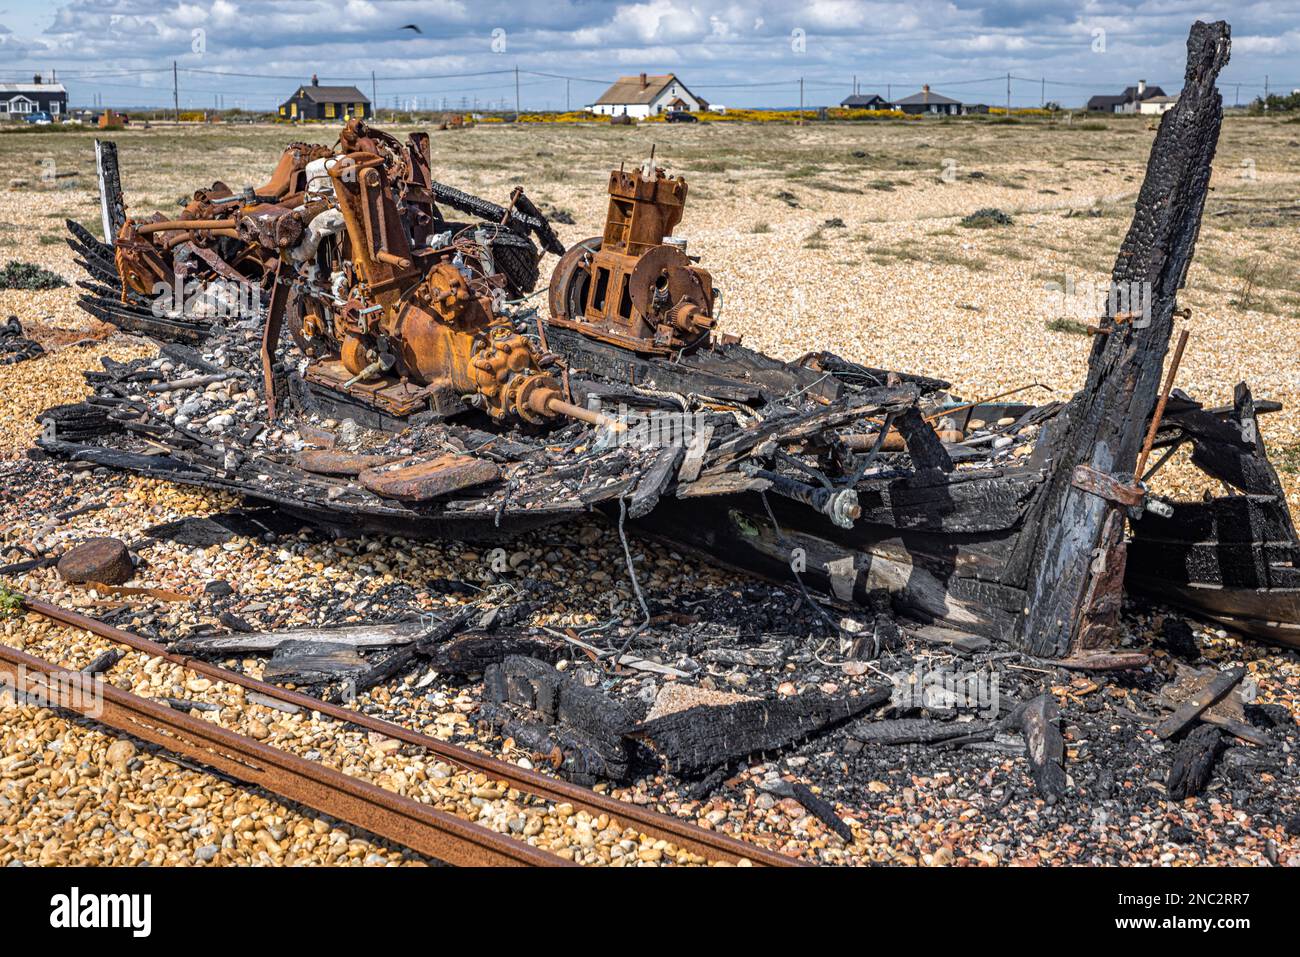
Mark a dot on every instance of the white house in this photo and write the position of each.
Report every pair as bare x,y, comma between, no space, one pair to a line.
1157,104
646,95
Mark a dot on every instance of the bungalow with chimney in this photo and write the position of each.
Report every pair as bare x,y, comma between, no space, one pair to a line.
316,102
927,101
19,99
1130,101
647,95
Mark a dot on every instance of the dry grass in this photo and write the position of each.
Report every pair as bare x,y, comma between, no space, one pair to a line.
900,287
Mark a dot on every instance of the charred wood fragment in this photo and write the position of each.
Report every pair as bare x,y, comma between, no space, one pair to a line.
313,662
473,652
818,807
1193,763
1044,747
696,740
912,730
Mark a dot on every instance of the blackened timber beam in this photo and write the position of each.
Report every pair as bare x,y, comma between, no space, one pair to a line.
1074,575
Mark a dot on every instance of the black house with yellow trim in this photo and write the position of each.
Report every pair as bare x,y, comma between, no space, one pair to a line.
316,102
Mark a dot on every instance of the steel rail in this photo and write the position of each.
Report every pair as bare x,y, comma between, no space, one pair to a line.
684,834
410,823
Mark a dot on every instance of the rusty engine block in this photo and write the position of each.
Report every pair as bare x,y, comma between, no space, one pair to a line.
395,307
635,286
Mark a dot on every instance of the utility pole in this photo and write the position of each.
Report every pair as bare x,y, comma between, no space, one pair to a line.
517,108
855,84
801,101
566,96
1008,94
374,92
176,95
1042,95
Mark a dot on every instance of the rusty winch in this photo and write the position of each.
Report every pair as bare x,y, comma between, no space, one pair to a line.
635,286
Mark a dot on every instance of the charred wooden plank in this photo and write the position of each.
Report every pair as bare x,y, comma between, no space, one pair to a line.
1187,712
264,642
1069,604
911,730
696,740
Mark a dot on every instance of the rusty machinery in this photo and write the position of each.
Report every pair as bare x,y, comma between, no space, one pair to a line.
635,286
395,307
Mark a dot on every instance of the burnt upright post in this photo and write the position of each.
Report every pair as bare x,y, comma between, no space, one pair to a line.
1073,549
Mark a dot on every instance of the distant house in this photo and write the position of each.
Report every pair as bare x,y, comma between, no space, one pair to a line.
865,101
1127,102
1156,105
316,102
19,99
647,95
927,101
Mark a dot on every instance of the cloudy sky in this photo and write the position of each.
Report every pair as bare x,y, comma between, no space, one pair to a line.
733,52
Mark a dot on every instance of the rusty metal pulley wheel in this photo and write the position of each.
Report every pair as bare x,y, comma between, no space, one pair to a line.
664,270
567,296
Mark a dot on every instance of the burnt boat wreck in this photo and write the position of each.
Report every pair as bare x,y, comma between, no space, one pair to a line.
465,413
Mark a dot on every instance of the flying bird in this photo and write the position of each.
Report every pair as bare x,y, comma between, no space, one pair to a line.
412,26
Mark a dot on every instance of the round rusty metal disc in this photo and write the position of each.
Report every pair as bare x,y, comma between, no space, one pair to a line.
567,278
664,264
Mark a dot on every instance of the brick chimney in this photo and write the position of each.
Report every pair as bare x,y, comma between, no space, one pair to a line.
314,81
37,78
925,90
644,82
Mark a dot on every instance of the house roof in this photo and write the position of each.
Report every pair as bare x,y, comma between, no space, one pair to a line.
333,94
31,88
1130,95
628,89
862,99
926,97
1160,99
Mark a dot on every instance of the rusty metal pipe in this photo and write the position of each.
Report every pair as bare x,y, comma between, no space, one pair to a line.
1160,406
144,229
557,406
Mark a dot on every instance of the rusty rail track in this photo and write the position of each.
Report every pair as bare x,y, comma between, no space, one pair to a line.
684,834
410,823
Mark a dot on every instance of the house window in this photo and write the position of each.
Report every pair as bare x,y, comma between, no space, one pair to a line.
4,106
54,107
358,110
283,111
20,105
293,110
329,111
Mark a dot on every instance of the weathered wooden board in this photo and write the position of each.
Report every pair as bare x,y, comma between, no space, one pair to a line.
423,480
